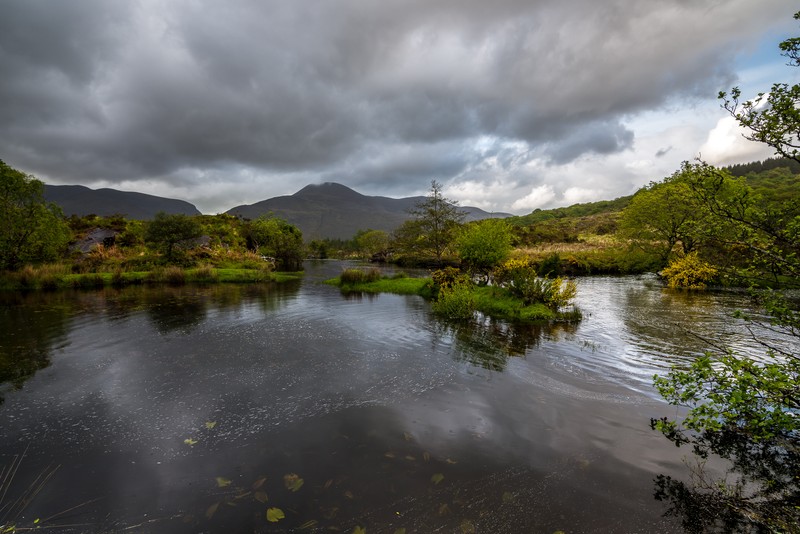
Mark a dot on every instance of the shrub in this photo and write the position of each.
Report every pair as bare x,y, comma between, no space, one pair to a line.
519,277
206,274
448,277
174,275
689,272
358,276
455,302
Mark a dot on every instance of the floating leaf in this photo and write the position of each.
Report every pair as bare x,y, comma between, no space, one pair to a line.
190,441
410,458
389,455
328,483
292,481
349,494
444,509
275,514
559,532
426,456
508,497
407,436
223,482
210,424
437,477
400,531
212,510
258,483
451,462
360,530
467,527
36,521
260,496
311,523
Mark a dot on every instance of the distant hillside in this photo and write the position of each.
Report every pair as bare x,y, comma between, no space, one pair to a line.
576,210
334,211
80,200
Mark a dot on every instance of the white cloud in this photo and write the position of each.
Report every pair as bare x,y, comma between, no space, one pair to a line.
539,197
726,145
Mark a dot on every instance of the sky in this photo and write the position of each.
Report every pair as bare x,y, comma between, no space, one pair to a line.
512,105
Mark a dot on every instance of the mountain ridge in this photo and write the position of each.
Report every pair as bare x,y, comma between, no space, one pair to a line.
326,210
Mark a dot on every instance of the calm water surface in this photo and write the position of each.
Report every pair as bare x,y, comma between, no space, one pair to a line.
197,409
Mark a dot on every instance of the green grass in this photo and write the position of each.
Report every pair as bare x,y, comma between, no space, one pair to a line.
492,301
50,279
398,286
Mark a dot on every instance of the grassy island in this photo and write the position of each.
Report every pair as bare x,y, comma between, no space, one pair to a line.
454,295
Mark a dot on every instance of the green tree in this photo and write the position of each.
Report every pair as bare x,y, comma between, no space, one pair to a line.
436,221
31,230
744,410
663,215
276,238
372,242
168,231
484,244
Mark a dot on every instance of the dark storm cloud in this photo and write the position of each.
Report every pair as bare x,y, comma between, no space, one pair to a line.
387,92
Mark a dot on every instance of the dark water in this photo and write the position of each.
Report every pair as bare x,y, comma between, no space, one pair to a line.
184,409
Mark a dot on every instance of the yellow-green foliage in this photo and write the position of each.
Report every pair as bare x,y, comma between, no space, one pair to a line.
689,272
519,277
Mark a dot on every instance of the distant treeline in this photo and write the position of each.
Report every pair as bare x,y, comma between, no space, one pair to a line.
744,169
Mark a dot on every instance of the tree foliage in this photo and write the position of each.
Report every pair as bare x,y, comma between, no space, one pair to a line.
169,231
744,410
276,238
664,215
774,117
434,226
31,230
484,244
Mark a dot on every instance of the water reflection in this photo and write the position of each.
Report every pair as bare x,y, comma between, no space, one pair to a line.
32,325
489,343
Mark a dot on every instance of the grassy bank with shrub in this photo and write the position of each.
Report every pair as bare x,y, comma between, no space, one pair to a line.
454,296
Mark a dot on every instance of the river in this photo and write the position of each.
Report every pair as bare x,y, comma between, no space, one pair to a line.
198,409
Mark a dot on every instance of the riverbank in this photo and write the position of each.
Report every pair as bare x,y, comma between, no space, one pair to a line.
57,277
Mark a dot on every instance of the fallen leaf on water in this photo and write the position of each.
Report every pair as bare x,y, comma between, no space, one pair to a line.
451,462
308,524
360,530
258,483
328,483
426,456
389,455
292,481
348,494
437,477
444,509
467,527
223,482
260,496
400,531
407,436
508,497
410,458
274,515
190,441
559,532
212,510
210,424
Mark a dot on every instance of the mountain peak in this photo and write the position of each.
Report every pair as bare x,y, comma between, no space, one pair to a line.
328,189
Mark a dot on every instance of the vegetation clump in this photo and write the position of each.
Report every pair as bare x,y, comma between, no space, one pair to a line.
689,272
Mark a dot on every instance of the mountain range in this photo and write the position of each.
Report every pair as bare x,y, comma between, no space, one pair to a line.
80,200
327,210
